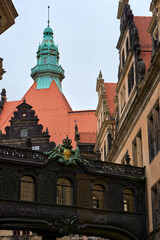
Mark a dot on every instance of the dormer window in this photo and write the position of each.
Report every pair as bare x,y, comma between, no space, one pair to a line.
24,132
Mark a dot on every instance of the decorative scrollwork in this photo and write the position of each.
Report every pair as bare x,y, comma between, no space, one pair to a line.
65,226
65,154
28,211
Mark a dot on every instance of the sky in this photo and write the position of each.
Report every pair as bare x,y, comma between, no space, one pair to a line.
86,32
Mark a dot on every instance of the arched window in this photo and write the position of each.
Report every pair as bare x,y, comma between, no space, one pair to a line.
64,192
128,200
98,196
24,132
27,189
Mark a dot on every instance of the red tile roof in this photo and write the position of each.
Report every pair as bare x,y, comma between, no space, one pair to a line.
110,95
142,24
87,137
7,112
53,112
146,56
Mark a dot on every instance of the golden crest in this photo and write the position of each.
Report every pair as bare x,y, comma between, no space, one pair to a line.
67,153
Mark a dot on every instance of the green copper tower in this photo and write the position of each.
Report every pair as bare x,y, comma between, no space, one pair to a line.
47,68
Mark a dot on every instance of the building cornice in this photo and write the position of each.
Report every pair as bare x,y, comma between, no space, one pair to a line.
121,7
8,14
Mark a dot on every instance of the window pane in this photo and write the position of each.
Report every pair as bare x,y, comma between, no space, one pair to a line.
98,196
128,200
64,192
24,132
27,189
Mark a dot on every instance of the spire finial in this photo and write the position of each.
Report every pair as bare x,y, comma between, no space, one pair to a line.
100,74
48,15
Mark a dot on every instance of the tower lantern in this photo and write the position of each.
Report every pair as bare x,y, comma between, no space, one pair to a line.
47,68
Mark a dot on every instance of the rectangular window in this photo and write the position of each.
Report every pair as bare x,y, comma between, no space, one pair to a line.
130,79
156,205
36,148
24,132
153,131
137,151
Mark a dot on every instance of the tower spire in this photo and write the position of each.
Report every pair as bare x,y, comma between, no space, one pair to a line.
48,15
47,68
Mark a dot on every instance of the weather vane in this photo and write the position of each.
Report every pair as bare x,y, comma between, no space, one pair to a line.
48,15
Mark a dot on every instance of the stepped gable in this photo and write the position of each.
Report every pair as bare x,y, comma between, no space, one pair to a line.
110,89
145,41
25,131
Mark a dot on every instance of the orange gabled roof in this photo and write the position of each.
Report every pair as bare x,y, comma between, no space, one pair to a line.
142,24
87,137
110,95
54,113
86,122
51,108
7,113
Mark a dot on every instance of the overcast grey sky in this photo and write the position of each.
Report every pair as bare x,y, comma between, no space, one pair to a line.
86,32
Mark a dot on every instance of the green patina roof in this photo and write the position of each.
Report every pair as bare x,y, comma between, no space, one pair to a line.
47,62
48,30
48,42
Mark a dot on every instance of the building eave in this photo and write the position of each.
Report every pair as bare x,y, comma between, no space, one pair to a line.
8,14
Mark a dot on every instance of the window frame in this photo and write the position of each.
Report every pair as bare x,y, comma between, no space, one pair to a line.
131,207
94,192
22,131
32,185
131,81
155,194
137,144
153,125
63,199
